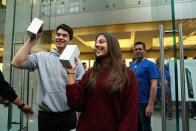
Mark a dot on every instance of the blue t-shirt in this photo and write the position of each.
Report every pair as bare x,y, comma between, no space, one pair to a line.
145,70
159,81
167,77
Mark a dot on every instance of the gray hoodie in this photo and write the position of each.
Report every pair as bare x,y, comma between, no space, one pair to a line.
51,80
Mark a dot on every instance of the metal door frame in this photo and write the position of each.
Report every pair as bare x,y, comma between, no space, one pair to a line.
185,119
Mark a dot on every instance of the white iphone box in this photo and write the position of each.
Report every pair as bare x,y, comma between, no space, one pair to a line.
67,58
34,27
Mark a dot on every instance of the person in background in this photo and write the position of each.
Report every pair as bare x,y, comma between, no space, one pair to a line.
7,94
170,108
54,113
84,65
133,60
124,62
193,104
147,77
158,95
107,95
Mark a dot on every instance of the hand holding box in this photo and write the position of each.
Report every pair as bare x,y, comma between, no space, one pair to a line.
68,56
34,27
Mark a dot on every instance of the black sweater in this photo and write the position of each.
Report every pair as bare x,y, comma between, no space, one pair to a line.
6,92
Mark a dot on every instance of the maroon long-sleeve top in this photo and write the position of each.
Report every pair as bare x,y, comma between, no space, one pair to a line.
101,111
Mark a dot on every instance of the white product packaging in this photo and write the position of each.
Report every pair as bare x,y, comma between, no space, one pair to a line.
67,58
34,27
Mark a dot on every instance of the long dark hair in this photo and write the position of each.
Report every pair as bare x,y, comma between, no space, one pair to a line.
117,72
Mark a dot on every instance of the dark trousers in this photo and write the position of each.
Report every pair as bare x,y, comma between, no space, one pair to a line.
193,109
144,123
50,121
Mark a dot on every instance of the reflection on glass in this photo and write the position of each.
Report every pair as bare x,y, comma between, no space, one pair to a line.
189,83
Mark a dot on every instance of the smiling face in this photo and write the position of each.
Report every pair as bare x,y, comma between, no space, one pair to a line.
62,39
101,48
139,51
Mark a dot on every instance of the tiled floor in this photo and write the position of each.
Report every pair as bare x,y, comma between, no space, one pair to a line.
170,123
156,121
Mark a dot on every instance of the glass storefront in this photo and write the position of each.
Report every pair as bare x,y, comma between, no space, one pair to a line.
155,22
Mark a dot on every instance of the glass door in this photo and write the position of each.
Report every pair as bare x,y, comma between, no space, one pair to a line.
19,14
179,113
130,21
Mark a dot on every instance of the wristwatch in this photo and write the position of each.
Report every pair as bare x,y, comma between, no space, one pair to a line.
21,106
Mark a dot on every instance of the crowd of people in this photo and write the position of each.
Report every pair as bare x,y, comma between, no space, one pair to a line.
109,96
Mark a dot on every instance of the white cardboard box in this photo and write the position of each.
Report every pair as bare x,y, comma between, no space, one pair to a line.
34,27
68,55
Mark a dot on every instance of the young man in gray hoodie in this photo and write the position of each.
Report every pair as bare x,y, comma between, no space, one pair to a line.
54,113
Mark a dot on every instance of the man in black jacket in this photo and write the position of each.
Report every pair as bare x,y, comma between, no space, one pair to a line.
7,94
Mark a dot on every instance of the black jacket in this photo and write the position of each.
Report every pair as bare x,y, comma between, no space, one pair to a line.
6,92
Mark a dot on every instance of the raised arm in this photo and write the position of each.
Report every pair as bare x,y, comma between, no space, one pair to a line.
71,73
76,98
20,57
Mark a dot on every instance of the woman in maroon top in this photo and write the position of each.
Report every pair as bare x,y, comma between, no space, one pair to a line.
107,95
